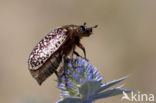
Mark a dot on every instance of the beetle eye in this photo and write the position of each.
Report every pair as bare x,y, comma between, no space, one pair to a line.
83,28
88,31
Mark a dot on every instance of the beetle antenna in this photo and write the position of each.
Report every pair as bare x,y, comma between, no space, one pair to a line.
95,26
84,23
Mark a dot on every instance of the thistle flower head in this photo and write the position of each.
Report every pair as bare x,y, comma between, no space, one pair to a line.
76,75
81,83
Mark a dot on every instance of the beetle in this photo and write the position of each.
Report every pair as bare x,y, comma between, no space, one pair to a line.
47,55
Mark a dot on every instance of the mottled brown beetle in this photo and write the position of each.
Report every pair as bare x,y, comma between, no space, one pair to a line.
47,55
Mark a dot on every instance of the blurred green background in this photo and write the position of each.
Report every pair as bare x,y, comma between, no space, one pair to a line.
123,44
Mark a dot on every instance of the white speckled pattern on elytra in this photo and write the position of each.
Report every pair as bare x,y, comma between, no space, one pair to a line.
46,47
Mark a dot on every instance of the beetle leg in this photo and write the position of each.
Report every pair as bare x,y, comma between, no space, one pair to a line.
63,62
77,54
72,62
83,49
71,58
72,54
63,69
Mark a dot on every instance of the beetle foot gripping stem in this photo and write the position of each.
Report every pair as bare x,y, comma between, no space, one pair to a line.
72,62
78,55
73,66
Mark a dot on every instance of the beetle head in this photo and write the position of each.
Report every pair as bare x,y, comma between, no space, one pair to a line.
86,31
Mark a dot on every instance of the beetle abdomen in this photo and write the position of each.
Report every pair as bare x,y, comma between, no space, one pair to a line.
47,69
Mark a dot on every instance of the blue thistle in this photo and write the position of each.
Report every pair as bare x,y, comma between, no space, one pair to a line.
83,84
